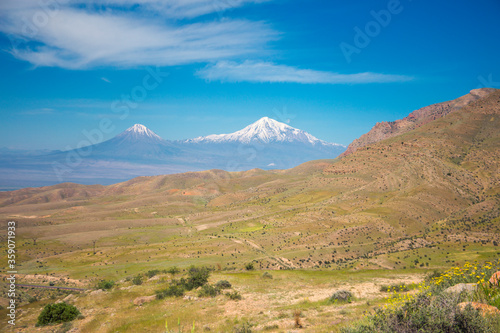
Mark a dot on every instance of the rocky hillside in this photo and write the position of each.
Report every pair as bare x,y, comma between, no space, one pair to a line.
417,118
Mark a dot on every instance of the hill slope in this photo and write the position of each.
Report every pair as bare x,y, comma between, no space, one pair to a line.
384,130
434,190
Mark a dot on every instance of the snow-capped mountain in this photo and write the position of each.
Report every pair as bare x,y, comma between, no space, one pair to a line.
139,132
265,130
138,151
135,143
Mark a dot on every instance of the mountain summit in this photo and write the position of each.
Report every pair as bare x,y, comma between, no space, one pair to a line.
139,132
264,130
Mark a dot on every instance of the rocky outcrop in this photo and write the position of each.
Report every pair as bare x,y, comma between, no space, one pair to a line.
458,288
495,279
485,309
144,299
417,118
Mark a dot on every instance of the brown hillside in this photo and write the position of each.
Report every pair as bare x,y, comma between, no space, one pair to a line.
417,118
435,186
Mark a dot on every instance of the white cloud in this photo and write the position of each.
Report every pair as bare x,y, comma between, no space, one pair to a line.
253,71
183,8
77,38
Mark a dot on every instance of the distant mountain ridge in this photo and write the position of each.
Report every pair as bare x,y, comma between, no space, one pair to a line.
417,118
138,151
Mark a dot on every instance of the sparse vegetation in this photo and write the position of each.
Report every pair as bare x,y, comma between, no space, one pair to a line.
296,318
341,296
244,327
234,295
249,266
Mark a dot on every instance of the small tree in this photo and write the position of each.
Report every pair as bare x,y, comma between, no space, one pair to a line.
57,313
137,280
105,285
198,276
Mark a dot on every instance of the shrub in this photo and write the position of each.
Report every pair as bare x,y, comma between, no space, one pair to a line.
173,270
433,310
341,296
105,285
267,275
152,273
235,295
296,318
243,328
137,280
57,313
249,266
426,314
223,284
198,276
208,291
174,290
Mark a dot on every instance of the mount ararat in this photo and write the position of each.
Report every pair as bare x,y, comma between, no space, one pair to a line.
138,151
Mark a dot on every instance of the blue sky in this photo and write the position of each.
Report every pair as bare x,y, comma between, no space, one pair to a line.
332,68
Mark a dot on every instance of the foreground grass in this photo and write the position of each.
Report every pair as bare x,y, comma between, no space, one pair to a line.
267,304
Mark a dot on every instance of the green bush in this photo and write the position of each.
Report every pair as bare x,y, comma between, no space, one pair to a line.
152,273
197,277
173,270
174,290
105,285
341,296
137,280
249,266
208,291
223,284
57,313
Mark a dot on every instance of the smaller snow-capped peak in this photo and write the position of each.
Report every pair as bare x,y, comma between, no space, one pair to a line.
139,131
264,130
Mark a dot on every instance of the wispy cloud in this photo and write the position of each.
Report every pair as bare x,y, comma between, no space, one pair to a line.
183,8
253,71
38,112
79,38
105,80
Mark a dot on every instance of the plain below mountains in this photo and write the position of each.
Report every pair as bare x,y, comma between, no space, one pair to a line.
138,151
